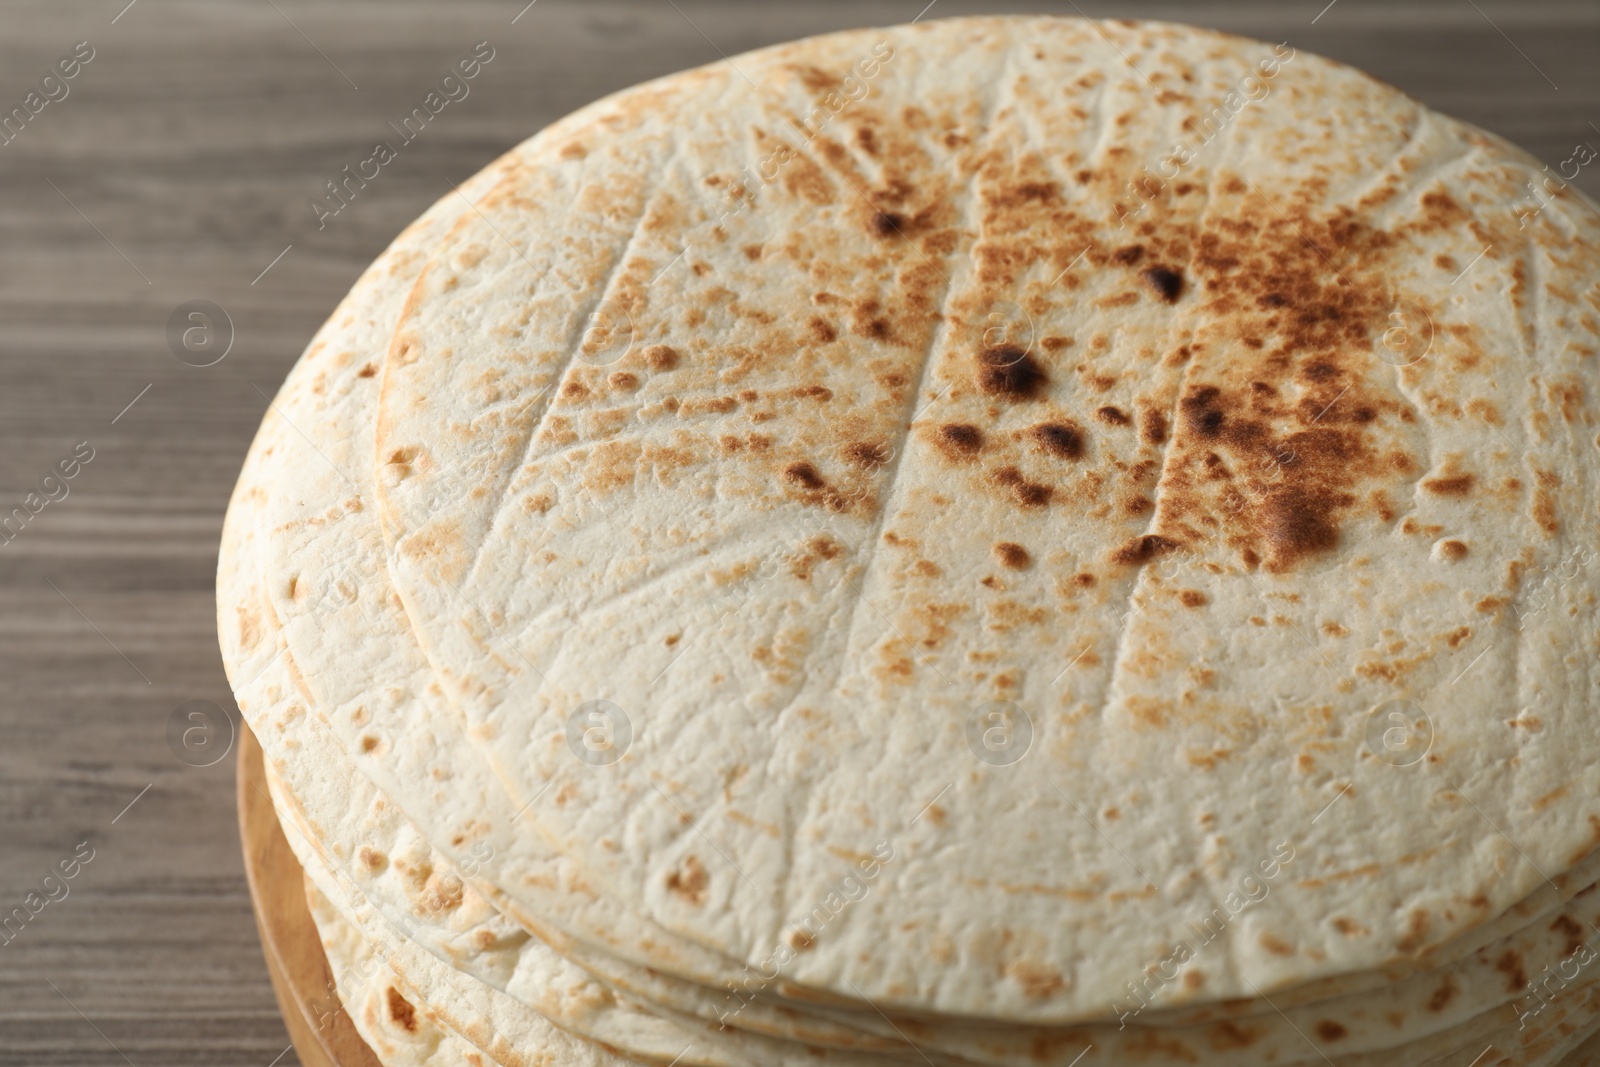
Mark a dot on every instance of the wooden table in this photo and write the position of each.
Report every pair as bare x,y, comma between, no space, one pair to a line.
178,168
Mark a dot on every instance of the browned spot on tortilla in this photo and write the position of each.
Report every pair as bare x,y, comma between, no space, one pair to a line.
801,941
1140,550
400,1010
1230,1034
1454,485
820,547
1037,981
1112,416
1128,255
887,223
1452,550
1012,555
959,440
623,380
1329,1030
1192,598
1058,439
1510,965
1455,637
1569,929
1167,283
1153,427
690,882
1028,494
804,476
1276,945
1442,996
866,454
821,330
372,859
661,357
1296,524
368,371
1010,372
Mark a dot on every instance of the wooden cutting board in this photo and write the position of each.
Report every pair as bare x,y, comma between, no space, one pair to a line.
322,1032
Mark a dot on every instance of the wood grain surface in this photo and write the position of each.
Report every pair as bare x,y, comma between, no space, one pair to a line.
321,1029
178,168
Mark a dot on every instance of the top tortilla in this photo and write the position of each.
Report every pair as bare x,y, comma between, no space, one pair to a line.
1202,475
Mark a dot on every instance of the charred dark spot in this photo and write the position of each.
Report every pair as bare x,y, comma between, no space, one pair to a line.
1329,1030
959,440
1028,494
401,1011
1274,300
803,475
1141,550
1364,415
1167,283
822,330
1058,439
888,223
1012,555
1200,412
866,454
1296,524
1112,416
1128,256
1321,370
1010,372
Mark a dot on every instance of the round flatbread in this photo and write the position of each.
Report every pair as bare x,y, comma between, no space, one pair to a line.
1122,485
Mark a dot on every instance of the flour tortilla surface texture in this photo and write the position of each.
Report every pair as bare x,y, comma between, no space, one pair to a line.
1219,501
382,840
331,385
374,998
444,984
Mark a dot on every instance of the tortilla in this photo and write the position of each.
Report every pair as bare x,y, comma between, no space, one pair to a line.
379,1007
819,524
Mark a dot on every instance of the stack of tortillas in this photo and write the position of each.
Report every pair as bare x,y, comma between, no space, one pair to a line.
1013,542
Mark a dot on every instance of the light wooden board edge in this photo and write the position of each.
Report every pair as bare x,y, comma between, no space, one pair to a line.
321,1030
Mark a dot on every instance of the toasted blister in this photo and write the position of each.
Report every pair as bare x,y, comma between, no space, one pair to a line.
806,619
